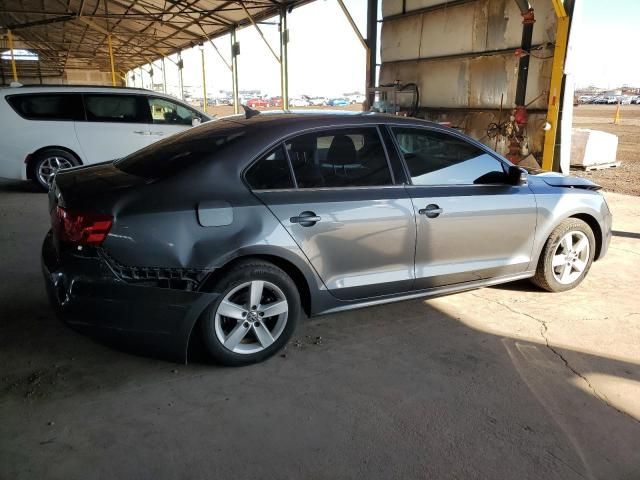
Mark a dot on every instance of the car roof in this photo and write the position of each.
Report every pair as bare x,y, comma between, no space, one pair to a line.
306,119
80,89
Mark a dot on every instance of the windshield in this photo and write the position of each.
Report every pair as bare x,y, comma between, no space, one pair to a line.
181,151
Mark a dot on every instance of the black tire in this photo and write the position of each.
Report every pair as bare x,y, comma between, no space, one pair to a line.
41,157
545,277
248,271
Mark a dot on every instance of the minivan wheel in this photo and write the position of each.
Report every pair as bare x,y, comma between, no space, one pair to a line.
566,257
255,315
47,163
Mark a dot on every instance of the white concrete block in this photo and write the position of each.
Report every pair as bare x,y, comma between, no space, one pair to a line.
592,147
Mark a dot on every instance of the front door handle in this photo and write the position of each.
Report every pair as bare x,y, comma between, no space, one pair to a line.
306,219
431,211
142,132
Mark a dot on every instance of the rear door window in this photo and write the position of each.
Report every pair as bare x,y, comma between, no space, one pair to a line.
48,106
351,157
271,172
117,108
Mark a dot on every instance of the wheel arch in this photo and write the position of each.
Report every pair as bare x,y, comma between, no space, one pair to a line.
588,218
32,157
290,268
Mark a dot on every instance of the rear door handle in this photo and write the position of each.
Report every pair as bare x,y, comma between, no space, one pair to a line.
142,132
430,211
306,219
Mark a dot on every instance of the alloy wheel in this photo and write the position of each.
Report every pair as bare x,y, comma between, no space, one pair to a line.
251,317
571,257
50,166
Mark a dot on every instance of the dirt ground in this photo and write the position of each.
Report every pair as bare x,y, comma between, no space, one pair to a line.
626,178
498,383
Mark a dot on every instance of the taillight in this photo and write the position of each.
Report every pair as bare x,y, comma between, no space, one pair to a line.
80,228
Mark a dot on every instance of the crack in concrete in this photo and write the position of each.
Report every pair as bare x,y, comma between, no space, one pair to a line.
543,333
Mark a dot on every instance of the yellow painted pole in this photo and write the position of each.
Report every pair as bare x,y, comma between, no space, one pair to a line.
616,118
13,59
113,67
204,82
557,72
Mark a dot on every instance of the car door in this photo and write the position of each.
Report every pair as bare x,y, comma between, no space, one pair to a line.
355,226
169,117
471,223
115,126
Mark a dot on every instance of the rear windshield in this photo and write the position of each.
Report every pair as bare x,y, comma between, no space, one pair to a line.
181,151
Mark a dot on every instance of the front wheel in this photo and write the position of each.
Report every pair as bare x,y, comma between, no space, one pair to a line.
566,257
255,315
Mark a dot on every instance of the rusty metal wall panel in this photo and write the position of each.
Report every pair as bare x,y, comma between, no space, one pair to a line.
401,39
480,26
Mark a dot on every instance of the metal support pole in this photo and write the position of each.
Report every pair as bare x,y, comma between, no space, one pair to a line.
284,58
235,51
372,43
555,90
164,76
180,67
113,67
13,59
204,81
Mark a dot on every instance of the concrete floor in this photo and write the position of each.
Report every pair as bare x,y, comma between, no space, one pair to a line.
505,382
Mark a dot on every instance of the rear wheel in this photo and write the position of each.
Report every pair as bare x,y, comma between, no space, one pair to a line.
47,163
255,315
566,257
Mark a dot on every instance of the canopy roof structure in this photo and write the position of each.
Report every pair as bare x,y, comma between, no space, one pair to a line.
74,34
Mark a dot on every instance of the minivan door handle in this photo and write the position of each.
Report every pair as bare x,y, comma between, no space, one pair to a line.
306,219
431,211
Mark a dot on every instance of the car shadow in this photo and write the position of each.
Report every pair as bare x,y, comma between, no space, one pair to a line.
18,186
618,233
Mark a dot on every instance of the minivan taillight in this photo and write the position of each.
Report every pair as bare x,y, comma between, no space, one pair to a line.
80,228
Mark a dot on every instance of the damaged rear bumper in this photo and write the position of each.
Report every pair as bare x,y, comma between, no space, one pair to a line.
90,298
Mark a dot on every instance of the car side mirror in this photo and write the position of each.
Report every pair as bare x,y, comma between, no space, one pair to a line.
517,176
195,121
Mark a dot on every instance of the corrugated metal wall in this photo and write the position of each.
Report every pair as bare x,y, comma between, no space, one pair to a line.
461,56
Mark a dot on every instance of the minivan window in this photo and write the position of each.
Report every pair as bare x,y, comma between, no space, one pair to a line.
182,150
165,112
352,157
271,172
437,158
47,106
116,108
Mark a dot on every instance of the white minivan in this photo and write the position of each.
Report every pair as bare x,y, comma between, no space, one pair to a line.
46,128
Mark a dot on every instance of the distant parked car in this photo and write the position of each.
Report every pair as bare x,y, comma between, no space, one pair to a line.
258,103
49,128
338,102
275,102
356,99
299,102
318,101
